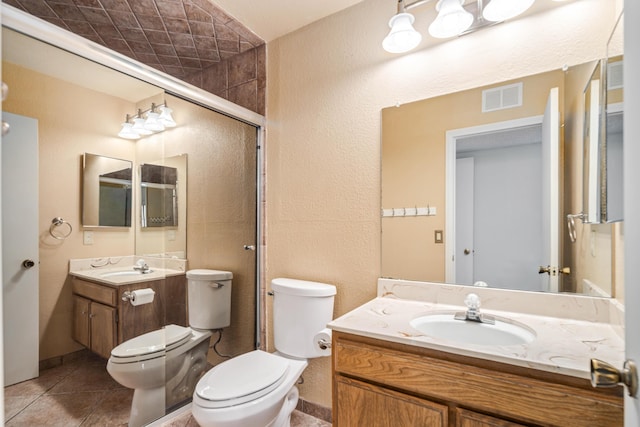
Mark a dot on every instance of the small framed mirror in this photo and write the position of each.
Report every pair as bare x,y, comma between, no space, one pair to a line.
106,191
592,158
158,196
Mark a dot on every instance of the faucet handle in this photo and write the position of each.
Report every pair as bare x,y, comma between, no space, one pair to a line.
472,301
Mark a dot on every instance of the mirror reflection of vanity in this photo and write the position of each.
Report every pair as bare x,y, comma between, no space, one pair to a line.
418,210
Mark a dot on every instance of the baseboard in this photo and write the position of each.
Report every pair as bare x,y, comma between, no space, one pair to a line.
315,410
61,360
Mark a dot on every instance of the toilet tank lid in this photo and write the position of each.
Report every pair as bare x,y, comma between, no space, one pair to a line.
204,274
303,288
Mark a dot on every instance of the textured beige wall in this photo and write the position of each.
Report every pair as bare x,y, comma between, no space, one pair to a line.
327,83
71,121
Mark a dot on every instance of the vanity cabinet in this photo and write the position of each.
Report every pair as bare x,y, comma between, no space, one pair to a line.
381,383
102,320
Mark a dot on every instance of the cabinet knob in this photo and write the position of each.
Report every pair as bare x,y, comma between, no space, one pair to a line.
604,374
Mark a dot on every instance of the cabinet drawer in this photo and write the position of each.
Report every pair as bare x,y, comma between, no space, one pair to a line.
95,292
534,401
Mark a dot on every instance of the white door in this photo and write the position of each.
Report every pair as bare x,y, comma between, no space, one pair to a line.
464,221
550,191
632,197
20,248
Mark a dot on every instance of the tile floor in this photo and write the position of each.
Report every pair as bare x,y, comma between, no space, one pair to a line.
82,393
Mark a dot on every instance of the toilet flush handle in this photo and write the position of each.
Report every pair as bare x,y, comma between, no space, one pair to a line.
216,285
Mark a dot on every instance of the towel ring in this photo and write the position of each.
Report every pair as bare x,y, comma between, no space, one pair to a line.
56,222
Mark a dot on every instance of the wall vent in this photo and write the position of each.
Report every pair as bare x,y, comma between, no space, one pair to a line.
503,97
614,75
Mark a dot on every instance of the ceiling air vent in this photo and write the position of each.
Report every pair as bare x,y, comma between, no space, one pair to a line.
500,98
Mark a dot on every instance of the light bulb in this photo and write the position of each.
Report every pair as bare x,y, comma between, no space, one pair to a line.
152,123
402,37
501,10
165,116
452,19
127,132
138,126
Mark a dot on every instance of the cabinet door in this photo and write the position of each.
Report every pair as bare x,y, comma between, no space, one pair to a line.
466,418
103,329
81,329
362,404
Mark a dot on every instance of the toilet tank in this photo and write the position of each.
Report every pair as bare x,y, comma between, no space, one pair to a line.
300,309
209,297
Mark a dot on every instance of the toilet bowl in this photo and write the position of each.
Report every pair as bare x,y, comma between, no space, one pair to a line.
257,389
254,389
162,367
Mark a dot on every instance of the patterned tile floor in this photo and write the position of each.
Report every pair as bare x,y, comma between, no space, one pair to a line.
83,393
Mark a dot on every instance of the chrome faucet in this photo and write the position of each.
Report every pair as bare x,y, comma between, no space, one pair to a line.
142,267
472,301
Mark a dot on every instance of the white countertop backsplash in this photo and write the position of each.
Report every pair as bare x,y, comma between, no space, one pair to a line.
570,329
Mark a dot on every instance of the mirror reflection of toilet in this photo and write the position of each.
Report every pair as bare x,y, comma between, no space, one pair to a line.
164,366
258,388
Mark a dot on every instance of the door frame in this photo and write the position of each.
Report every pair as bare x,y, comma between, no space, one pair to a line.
451,138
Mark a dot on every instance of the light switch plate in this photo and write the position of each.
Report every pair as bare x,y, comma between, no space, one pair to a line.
87,237
438,236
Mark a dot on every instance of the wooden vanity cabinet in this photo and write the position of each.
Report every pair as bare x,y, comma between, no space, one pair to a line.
380,383
102,320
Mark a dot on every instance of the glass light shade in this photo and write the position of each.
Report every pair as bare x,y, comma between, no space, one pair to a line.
152,123
138,126
501,10
127,132
165,117
402,37
451,21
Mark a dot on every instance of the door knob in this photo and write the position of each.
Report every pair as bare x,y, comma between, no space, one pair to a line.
604,374
249,248
28,263
544,269
466,251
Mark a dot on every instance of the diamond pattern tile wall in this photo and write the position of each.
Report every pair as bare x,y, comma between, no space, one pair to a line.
183,38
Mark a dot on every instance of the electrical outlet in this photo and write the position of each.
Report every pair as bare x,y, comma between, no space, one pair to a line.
87,237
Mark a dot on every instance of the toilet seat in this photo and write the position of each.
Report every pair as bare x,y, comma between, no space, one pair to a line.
151,345
242,379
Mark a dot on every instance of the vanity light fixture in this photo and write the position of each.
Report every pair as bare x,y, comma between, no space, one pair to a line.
453,20
147,122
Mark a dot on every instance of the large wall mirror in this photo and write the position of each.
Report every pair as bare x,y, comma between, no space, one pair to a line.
477,186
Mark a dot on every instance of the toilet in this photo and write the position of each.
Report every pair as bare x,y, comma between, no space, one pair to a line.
164,366
257,389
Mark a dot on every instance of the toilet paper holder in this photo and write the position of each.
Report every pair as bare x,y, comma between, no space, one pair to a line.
134,299
324,344
127,296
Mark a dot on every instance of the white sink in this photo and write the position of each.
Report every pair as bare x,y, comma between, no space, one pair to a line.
445,327
124,273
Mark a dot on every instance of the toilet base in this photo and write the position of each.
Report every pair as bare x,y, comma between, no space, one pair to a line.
147,406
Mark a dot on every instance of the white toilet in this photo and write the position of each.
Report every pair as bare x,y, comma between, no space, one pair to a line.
164,366
257,389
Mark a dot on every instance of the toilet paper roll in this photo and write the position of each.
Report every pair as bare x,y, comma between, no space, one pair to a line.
322,342
142,296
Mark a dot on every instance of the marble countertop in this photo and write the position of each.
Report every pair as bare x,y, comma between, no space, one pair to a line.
563,346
